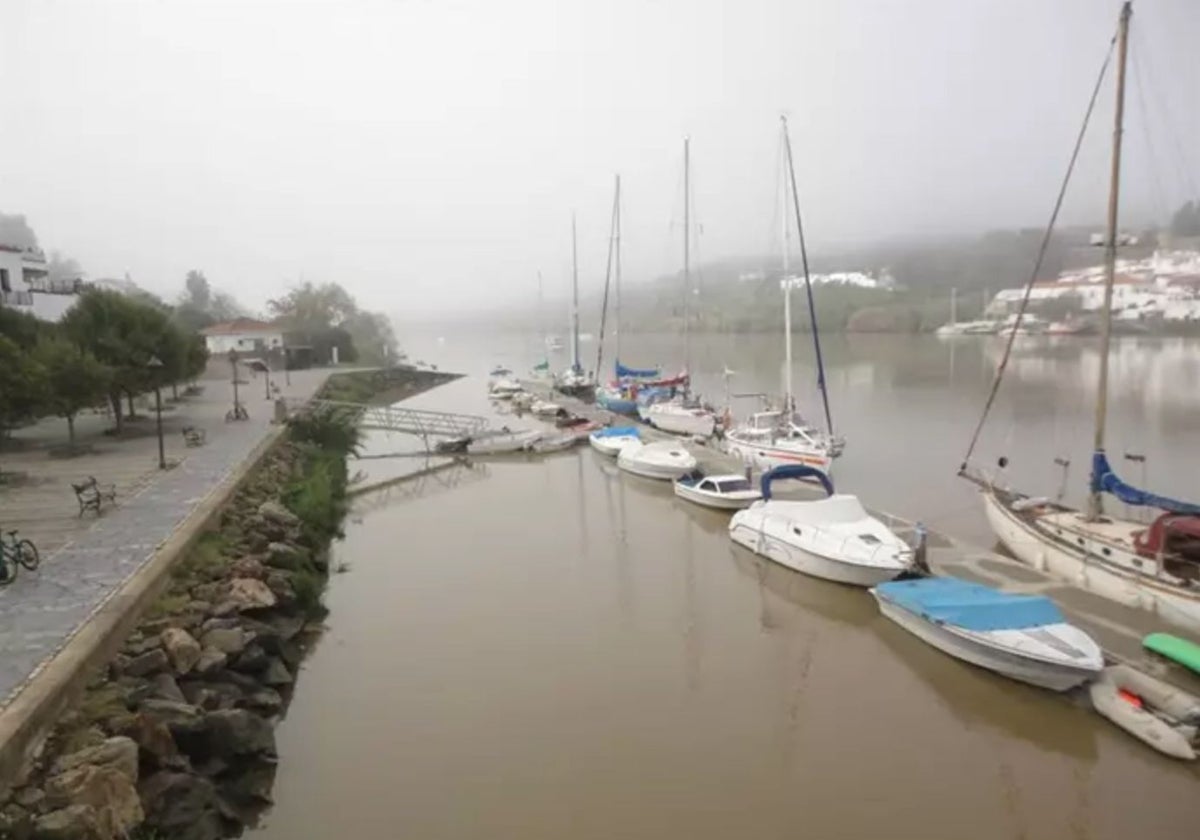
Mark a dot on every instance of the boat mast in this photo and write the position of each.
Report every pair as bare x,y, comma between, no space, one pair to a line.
812,309
687,267
1096,502
541,321
612,233
574,299
789,401
617,267
953,306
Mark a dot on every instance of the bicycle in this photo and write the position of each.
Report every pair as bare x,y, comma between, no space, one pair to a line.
15,553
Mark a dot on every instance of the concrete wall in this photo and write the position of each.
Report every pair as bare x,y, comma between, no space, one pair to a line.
243,342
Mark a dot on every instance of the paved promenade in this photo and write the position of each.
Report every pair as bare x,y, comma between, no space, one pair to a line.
86,559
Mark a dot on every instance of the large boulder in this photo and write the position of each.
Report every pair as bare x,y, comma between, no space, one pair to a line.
248,567
165,688
238,732
107,791
276,673
182,649
150,662
230,640
283,555
76,822
156,746
273,511
120,753
181,806
210,660
244,594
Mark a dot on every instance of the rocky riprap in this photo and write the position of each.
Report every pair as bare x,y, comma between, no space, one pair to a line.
175,738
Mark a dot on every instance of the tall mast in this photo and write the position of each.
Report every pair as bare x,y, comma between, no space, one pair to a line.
812,308
953,305
612,239
617,266
687,267
1096,502
789,401
574,299
541,321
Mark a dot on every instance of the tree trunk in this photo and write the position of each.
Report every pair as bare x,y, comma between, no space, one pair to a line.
174,390
129,398
115,400
71,430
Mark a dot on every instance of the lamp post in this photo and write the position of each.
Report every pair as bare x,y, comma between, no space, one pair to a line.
233,360
155,365
266,376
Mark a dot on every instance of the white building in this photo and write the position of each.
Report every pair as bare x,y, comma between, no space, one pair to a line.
862,280
25,286
245,335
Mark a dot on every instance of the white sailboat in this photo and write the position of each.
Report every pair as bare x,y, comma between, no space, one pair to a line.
779,436
1155,567
683,414
574,381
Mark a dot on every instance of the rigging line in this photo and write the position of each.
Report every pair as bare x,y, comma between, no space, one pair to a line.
1037,266
1159,195
1181,159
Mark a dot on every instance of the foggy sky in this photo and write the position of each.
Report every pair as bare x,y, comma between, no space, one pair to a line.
426,154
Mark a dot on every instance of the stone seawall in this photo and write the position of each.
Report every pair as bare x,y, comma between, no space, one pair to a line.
174,735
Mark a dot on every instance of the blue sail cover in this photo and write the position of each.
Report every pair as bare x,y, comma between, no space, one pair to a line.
1104,480
971,606
636,373
617,431
794,471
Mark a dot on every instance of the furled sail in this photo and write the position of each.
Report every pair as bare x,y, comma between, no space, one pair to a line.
1104,480
636,373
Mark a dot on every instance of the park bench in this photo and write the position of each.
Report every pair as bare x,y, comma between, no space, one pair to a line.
91,495
193,436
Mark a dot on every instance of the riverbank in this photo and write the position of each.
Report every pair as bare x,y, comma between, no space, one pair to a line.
173,736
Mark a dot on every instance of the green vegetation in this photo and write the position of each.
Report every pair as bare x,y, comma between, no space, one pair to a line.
109,346
325,316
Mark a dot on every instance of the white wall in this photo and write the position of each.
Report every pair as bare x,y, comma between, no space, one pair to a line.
243,342
48,307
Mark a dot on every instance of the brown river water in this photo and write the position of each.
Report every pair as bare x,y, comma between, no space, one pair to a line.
549,649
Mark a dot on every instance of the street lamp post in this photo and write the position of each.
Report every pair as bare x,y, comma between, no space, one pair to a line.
155,364
266,376
233,360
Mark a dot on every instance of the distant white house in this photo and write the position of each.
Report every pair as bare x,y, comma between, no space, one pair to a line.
245,335
25,286
863,280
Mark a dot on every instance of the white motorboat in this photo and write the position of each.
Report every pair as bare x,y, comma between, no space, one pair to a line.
544,408
665,460
774,438
832,538
613,440
523,400
682,417
504,388
1023,637
554,442
725,492
501,441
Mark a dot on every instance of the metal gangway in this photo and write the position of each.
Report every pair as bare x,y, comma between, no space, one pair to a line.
411,421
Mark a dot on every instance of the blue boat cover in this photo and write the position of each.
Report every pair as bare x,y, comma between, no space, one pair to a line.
971,606
636,373
794,471
617,431
1104,480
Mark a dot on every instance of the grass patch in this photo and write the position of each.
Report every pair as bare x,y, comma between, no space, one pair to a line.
166,605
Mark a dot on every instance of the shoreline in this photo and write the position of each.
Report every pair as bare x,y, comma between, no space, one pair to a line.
170,692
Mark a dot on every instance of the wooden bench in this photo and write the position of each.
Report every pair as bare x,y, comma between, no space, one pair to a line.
193,436
92,495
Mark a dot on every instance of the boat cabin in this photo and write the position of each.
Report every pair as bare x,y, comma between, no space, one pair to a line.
719,484
1175,538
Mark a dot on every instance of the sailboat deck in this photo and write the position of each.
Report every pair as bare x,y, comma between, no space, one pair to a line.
1117,531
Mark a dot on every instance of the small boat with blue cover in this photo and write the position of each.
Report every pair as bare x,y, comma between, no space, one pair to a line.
1022,637
612,440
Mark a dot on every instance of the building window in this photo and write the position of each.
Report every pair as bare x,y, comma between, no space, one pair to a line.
4,284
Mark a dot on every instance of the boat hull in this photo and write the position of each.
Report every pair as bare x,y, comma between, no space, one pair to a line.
763,457
1091,572
806,562
613,445
634,460
1042,674
720,501
681,422
617,405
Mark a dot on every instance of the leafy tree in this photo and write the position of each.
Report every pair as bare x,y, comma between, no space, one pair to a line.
197,291
75,380
21,327
16,232
313,311
22,386
308,308
1186,221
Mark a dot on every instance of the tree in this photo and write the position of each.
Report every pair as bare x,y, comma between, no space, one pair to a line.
75,380
22,386
1186,221
197,291
308,308
16,232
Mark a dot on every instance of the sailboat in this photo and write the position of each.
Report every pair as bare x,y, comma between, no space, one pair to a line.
778,436
573,381
683,414
620,394
541,370
1155,567
956,328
